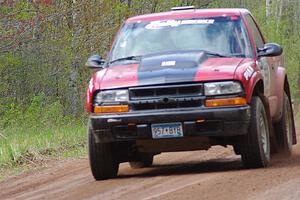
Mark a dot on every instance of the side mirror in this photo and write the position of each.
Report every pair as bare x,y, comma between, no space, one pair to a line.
270,50
95,62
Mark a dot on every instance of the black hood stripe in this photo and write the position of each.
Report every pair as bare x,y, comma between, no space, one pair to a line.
170,68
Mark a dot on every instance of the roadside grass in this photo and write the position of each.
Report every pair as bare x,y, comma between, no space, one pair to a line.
19,147
41,132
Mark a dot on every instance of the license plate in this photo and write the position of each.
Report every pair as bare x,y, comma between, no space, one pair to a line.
169,130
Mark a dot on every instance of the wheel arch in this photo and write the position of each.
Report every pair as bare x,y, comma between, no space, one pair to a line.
287,88
288,92
258,90
255,86
282,85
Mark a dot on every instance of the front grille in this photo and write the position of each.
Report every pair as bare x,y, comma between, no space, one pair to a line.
166,97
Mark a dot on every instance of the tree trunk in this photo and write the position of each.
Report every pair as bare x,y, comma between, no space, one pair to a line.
36,28
76,29
279,15
268,9
154,6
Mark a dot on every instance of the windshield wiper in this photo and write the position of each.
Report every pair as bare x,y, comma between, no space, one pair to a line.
215,54
240,55
222,55
136,58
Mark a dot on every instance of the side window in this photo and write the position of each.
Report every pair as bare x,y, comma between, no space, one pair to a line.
259,42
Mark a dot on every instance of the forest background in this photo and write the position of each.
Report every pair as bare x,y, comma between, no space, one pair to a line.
45,43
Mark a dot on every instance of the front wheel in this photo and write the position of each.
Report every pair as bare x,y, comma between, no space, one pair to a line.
255,146
102,160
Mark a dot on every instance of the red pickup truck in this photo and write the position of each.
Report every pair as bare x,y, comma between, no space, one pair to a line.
186,80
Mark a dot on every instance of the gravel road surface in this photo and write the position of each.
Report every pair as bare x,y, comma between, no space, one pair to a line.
213,174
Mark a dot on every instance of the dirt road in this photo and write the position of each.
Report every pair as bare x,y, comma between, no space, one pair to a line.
214,174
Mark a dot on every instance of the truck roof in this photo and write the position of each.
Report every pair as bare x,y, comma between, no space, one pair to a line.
188,13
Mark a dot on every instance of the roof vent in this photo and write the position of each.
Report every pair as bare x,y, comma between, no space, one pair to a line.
183,8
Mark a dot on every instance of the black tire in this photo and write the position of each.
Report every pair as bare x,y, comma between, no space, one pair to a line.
146,160
255,146
284,128
237,149
102,162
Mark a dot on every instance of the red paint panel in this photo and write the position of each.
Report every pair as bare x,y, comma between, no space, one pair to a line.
213,69
249,83
109,78
218,69
94,85
120,76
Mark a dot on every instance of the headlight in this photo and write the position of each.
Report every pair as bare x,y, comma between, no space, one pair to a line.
222,88
111,96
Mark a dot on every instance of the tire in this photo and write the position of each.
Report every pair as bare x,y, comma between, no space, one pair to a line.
255,146
284,128
237,149
146,160
102,162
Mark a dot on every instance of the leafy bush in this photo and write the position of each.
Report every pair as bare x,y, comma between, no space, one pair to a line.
31,134
40,113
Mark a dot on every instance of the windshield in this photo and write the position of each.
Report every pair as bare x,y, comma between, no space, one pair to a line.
221,35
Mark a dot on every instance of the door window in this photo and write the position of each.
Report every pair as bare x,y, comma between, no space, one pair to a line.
258,39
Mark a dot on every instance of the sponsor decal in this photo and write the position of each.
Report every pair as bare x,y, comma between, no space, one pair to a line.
248,73
174,23
168,63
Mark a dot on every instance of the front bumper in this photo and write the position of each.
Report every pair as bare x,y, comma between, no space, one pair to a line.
226,121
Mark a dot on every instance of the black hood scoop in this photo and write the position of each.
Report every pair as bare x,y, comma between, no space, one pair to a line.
170,68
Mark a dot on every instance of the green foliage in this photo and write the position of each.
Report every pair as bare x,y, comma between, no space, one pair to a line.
4,10
43,47
39,114
31,134
46,48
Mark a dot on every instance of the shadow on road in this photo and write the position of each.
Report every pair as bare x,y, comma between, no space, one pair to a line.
210,166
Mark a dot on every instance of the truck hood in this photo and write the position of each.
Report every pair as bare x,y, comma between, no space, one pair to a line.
170,68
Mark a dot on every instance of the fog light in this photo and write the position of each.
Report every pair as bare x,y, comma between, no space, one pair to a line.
111,109
238,101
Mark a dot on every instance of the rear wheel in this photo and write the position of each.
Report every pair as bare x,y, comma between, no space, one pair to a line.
102,160
284,128
145,160
255,146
